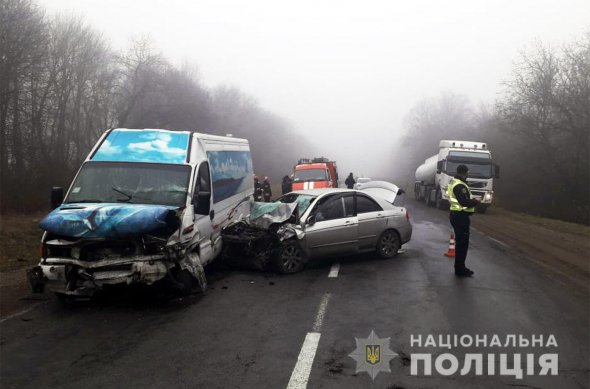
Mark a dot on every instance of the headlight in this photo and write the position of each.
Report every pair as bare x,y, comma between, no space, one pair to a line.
488,196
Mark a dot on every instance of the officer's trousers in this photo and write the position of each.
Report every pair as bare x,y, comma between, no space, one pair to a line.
460,222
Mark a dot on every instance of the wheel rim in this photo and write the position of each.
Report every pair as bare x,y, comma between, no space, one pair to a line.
291,257
388,244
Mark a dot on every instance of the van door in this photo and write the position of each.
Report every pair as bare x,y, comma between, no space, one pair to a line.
202,199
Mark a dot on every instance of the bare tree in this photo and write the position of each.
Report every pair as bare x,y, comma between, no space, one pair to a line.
547,103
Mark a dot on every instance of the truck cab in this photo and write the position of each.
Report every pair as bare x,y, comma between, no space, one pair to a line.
435,174
315,173
477,158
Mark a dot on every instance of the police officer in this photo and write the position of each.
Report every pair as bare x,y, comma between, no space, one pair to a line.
266,191
462,206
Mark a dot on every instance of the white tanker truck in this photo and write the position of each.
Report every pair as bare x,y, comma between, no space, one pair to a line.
434,175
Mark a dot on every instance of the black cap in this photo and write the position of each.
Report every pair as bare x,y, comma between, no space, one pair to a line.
462,169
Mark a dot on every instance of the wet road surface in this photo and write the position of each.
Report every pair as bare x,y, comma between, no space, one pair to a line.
252,329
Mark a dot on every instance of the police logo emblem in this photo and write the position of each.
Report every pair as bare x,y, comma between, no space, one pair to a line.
372,355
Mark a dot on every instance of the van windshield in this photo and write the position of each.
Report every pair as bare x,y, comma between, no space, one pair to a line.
141,183
311,175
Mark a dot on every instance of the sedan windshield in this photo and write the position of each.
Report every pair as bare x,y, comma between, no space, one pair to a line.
302,201
311,175
143,183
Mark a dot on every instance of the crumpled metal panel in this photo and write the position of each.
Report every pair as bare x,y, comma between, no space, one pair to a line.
111,221
263,215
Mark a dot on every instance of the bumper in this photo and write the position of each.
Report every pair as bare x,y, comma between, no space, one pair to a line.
75,277
405,232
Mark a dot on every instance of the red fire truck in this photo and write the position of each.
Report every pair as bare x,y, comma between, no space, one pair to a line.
315,173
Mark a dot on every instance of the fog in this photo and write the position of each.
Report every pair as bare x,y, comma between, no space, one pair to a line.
344,74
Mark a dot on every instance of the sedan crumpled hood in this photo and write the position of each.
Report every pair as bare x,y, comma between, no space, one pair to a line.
111,221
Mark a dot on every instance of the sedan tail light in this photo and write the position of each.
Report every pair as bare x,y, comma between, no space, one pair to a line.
407,215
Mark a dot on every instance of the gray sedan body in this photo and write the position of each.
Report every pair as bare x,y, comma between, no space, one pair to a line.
343,221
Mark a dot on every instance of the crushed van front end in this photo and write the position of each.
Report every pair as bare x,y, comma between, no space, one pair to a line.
87,247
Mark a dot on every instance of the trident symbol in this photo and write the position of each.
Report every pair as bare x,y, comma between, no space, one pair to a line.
373,354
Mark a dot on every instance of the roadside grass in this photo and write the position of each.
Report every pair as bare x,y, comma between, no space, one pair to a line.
19,241
552,224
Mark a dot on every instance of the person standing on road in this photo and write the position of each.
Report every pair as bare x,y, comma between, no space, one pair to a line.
462,206
350,181
266,191
257,189
286,184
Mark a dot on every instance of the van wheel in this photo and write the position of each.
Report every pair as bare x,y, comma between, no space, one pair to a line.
290,258
388,244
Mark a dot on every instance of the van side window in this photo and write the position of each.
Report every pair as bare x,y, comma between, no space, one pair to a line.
203,182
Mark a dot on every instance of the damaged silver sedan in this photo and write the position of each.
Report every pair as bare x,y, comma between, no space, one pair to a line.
308,224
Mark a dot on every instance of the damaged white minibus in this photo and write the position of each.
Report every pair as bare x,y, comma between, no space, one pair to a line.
146,205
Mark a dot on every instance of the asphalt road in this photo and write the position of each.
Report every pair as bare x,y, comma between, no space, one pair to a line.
249,329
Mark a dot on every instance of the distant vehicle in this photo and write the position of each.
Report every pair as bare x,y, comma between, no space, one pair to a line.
360,181
341,222
434,175
315,173
146,205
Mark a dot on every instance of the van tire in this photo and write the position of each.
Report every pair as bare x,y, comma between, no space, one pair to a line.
290,258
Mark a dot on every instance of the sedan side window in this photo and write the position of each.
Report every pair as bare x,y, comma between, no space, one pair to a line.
331,208
349,205
365,205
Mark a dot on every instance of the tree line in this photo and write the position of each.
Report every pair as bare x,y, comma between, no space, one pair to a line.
62,86
538,131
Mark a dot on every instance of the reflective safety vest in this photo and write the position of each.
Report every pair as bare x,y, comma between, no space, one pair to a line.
455,206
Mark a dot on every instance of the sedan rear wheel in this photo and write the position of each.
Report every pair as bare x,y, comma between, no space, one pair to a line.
290,259
388,244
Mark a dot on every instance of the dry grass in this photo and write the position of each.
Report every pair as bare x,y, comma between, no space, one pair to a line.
19,241
551,224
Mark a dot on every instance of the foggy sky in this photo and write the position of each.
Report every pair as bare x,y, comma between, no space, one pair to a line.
343,73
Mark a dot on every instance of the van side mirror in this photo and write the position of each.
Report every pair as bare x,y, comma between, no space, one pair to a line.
439,166
57,196
496,171
202,203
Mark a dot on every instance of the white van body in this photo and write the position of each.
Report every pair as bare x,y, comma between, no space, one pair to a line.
146,205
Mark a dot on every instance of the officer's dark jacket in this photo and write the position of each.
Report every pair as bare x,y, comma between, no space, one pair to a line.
462,195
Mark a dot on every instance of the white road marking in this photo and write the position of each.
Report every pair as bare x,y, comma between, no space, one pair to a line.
319,317
334,270
17,314
300,374
499,242
302,369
